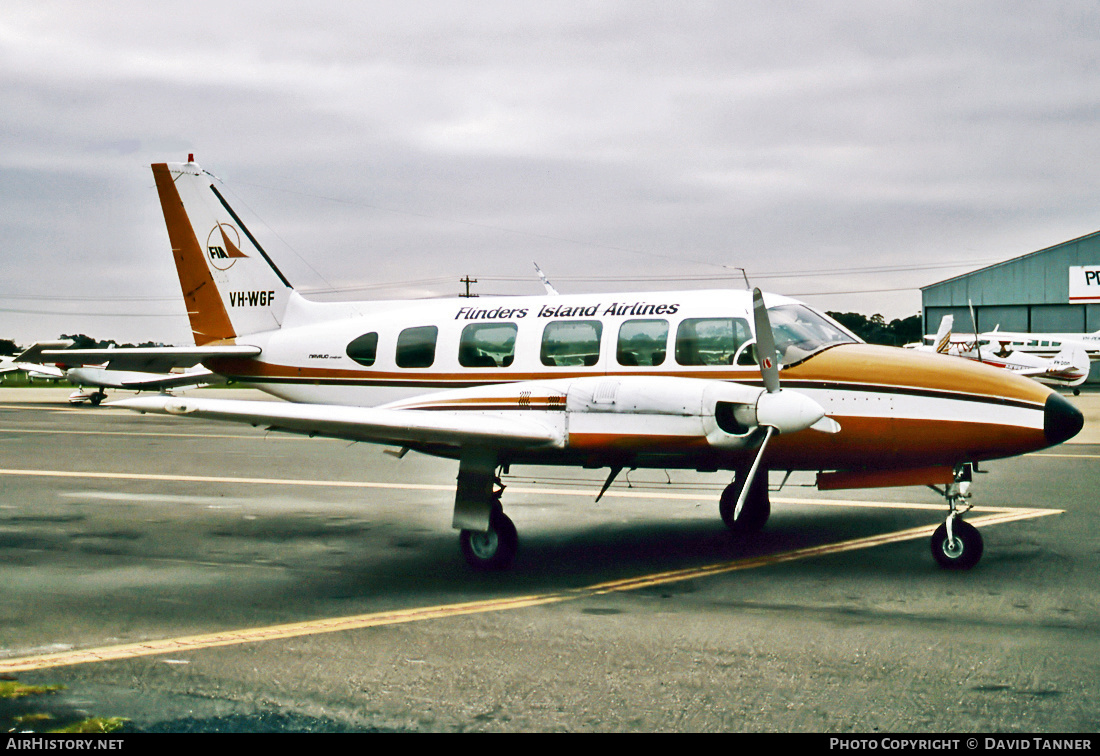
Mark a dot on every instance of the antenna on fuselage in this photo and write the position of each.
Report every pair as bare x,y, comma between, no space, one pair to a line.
744,275
549,288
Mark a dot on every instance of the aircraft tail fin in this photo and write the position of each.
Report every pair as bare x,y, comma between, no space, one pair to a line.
230,286
1073,356
943,335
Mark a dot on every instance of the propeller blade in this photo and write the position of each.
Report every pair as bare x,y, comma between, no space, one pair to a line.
826,425
777,411
974,326
741,497
765,343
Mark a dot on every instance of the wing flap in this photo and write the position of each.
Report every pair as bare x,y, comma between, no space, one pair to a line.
368,424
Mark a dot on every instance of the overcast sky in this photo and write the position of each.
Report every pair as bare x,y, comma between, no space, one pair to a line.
843,152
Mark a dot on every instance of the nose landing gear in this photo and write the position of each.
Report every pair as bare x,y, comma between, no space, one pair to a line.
956,544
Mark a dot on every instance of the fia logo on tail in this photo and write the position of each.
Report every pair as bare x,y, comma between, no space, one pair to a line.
223,246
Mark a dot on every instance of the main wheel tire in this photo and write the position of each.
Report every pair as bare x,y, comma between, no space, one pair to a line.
755,512
495,549
966,550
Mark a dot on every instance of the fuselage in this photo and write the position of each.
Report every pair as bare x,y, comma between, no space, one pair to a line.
1044,344
1069,367
896,407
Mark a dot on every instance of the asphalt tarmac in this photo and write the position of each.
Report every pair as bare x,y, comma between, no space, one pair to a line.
193,576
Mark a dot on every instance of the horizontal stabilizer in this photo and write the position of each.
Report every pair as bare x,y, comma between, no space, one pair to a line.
147,359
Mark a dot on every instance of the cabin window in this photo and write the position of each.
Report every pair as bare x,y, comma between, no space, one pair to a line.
416,347
710,341
571,343
487,345
364,349
642,342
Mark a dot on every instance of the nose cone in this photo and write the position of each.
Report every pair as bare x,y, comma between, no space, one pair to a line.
1061,420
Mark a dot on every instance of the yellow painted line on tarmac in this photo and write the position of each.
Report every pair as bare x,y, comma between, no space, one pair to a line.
192,643
188,643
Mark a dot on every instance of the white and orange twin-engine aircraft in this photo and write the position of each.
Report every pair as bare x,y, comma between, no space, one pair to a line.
621,381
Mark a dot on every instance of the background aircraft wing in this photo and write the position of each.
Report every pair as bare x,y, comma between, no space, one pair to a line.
147,359
395,427
34,352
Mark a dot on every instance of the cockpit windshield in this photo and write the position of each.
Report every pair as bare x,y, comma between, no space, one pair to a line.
800,332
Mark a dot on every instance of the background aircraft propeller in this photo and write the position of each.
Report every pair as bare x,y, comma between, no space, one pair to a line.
974,327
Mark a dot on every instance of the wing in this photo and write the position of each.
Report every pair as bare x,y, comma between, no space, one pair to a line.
147,359
395,427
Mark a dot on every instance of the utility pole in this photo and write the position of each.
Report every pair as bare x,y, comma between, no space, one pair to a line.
467,280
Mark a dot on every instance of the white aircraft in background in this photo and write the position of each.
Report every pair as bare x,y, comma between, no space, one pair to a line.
1045,344
1069,367
91,380
29,361
686,380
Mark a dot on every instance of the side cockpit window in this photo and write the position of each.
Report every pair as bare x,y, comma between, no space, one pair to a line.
364,349
487,345
416,347
711,341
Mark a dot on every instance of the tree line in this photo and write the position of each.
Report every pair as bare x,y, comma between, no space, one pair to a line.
875,329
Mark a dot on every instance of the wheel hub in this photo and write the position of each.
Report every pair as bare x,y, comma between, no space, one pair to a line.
484,545
953,548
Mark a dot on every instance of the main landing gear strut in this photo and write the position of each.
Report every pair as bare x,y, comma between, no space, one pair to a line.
486,536
957,545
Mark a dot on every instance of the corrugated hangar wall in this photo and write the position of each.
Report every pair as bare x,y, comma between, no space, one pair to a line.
1028,293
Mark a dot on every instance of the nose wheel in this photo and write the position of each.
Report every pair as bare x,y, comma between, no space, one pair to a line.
959,548
956,544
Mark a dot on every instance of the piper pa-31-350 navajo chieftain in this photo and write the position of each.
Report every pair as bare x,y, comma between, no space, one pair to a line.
674,380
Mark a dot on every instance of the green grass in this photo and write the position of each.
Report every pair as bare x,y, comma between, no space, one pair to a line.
30,706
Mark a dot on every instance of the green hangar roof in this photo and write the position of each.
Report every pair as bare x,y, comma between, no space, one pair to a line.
1040,277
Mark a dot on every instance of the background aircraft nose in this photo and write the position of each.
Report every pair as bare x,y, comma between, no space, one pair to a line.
1061,420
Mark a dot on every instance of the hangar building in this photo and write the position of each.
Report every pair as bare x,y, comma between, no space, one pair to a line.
1041,292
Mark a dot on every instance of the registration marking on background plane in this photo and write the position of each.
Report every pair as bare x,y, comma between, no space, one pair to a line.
191,643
